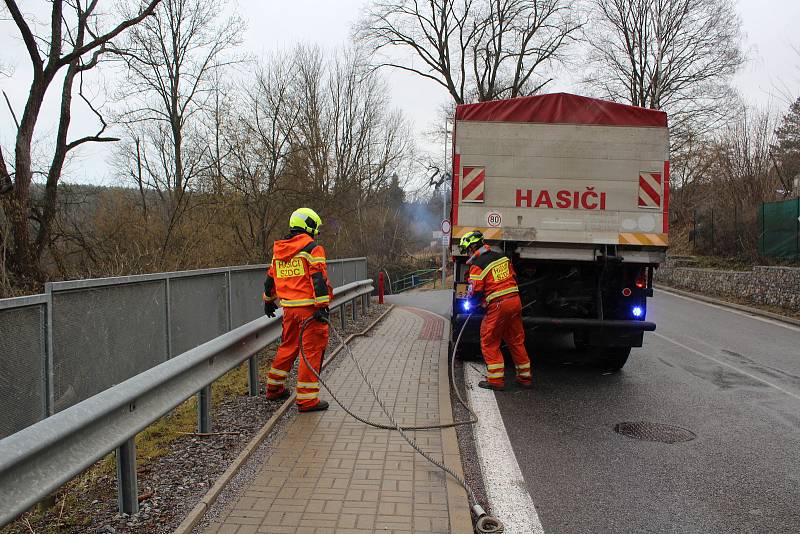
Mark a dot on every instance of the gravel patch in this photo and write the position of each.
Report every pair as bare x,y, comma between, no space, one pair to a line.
466,438
171,485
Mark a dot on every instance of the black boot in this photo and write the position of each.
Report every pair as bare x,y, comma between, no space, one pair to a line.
318,407
280,396
486,385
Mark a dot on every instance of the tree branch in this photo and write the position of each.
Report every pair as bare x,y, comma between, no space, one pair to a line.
11,110
27,36
104,38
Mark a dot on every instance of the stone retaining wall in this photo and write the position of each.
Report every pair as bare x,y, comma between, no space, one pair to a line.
773,286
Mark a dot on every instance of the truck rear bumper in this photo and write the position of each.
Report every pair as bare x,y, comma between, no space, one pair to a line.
571,324
580,324
594,332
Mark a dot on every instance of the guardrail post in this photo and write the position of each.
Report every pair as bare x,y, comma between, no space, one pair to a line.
127,487
342,310
204,410
252,375
354,310
380,287
49,368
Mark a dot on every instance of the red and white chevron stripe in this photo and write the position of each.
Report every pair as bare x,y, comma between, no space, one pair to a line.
473,181
650,190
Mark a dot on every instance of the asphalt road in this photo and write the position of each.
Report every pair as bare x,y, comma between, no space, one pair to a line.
732,379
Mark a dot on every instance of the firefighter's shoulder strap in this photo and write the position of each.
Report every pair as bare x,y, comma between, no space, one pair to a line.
307,253
487,258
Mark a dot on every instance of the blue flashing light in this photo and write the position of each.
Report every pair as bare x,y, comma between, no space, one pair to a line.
637,311
466,305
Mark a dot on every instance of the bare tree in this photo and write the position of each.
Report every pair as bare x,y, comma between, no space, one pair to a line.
674,55
475,49
75,43
689,169
258,142
785,152
172,61
741,176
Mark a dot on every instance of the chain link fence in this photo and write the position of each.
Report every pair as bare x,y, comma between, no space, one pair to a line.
770,230
732,232
82,337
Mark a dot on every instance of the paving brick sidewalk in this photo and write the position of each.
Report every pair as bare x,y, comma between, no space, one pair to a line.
332,474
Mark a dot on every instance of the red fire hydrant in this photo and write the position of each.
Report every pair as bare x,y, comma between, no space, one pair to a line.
380,287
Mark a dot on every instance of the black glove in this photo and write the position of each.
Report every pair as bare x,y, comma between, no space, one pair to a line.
322,315
269,308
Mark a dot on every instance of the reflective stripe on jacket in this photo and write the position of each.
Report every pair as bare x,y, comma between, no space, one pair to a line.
491,274
298,275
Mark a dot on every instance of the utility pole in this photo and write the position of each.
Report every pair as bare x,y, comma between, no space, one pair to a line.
445,243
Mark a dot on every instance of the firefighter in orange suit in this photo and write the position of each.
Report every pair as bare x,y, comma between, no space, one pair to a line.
298,279
493,285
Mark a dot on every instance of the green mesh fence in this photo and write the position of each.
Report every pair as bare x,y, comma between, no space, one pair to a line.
780,229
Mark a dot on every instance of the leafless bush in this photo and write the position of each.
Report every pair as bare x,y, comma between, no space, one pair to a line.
734,175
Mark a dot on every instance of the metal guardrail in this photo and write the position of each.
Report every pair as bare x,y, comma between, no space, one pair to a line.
415,279
39,459
82,337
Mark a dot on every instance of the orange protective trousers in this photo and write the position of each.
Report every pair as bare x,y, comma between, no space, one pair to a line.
315,339
503,322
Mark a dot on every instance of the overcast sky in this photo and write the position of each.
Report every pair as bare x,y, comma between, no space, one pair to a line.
770,78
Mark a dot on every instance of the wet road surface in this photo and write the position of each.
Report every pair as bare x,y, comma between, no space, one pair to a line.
731,379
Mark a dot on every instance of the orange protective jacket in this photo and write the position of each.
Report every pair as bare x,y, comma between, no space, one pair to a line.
491,275
298,275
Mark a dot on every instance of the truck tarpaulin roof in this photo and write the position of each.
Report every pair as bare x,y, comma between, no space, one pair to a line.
561,108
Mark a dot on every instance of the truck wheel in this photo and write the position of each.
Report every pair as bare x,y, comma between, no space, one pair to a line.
612,358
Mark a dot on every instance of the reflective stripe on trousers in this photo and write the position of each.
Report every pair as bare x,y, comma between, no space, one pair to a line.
315,339
503,322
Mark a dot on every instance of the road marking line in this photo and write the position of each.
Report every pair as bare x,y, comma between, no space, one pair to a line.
706,356
774,322
505,487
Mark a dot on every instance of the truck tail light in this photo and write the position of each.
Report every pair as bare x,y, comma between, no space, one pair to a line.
641,280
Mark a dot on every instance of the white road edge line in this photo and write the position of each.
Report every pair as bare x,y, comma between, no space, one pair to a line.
720,362
505,486
774,322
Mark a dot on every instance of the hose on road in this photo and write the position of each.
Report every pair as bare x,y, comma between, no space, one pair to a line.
484,523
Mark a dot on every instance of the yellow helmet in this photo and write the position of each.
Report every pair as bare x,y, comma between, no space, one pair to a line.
306,220
470,238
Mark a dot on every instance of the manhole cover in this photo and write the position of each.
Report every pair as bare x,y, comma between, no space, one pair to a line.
654,432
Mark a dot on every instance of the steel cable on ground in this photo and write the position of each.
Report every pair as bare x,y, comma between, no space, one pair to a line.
433,426
485,523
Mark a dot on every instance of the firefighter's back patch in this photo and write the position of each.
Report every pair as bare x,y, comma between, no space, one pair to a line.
501,272
289,269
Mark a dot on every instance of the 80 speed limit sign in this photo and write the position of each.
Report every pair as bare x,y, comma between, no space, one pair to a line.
494,219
